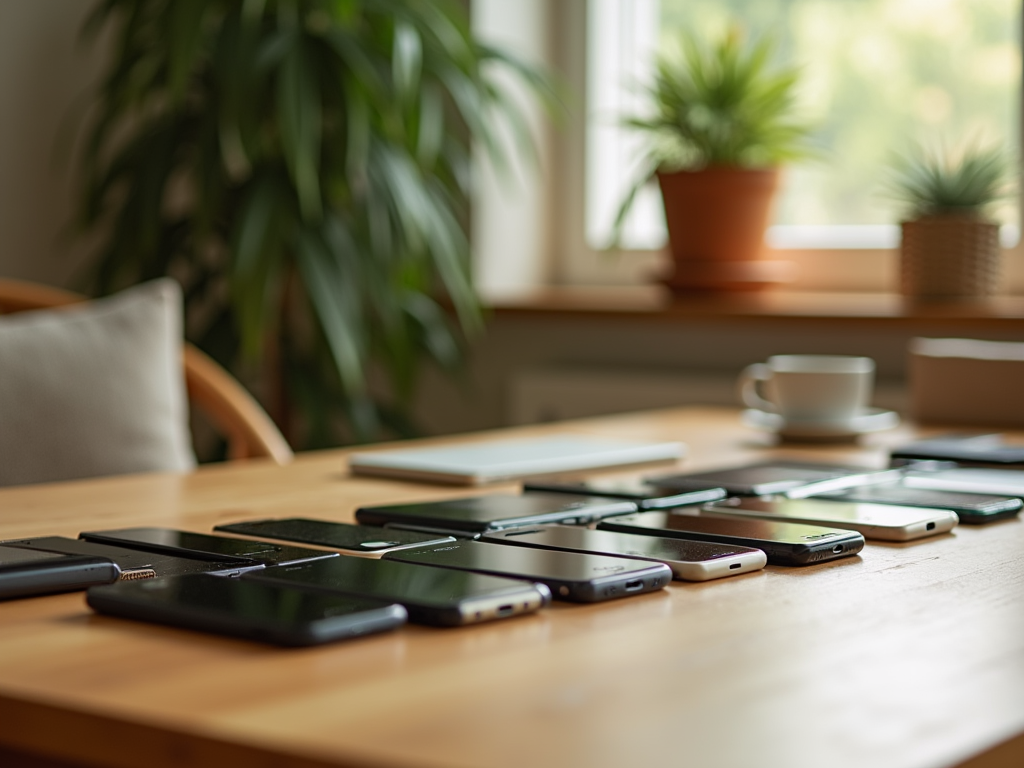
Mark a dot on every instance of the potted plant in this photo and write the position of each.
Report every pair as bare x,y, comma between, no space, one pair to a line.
722,123
949,246
302,167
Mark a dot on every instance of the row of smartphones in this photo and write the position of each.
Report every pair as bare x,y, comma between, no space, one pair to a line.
572,561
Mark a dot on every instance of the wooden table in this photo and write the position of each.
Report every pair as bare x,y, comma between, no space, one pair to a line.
910,655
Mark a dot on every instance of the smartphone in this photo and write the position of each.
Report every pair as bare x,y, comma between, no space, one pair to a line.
359,540
774,477
436,596
875,521
1003,482
974,508
689,560
967,450
783,543
644,494
476,514
203,546
134,563
25,572
248,609
569,575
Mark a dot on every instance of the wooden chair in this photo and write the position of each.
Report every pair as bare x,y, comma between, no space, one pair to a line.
218,395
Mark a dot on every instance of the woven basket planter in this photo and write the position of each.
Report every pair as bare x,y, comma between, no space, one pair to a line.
949,257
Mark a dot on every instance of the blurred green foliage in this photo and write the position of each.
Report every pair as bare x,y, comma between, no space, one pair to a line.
946,182
722,101
878,76
302,167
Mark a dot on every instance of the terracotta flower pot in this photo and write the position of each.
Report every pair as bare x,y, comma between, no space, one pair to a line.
949,257
716,222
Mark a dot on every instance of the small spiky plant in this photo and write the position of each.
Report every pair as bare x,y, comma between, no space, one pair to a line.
721,103
941,182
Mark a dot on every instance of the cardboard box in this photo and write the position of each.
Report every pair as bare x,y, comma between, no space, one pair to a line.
967,382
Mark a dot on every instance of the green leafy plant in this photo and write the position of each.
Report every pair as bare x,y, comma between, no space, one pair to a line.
303,168
943,182
719,103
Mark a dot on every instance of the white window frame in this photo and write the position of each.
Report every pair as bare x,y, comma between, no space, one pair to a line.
547,210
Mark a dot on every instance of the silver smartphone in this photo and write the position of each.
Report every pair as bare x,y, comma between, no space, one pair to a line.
689,560
887,522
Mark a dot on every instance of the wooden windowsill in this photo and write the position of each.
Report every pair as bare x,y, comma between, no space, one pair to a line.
653,303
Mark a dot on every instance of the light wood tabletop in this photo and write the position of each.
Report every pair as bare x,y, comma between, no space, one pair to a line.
909,655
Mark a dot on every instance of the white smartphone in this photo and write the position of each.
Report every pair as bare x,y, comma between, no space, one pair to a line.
689,560
1005,482
887,522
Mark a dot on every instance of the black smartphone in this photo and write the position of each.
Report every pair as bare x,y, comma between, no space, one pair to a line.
689,560
134,563
203,546
476,514
248,609
773,477
973,508
783,543
569,575
26,572
360,540
643,493
436,596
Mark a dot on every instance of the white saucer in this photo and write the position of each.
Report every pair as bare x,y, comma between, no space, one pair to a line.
871,420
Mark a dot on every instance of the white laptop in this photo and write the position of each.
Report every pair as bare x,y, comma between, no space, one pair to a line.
487,462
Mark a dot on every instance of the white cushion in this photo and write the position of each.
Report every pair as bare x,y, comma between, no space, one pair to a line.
95,389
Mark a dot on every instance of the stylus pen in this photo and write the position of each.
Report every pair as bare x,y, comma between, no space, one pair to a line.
844,482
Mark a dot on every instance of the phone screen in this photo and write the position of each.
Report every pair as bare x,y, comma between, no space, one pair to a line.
390,580
204,546
868,513
479,513
365,538
521,562
248,609
758,479
1008,482
647,495
195,543
763,530
923,497
134,563
15,558
614,543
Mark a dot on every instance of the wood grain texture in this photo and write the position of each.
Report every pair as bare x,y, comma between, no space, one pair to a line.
909,656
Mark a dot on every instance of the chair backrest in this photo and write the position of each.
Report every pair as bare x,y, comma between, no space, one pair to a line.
250,433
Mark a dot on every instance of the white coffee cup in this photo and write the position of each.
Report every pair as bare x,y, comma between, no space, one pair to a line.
809,388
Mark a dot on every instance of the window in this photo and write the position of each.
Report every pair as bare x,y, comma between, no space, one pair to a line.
876,76
879,74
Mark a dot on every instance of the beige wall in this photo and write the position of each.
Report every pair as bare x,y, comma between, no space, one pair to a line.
45,74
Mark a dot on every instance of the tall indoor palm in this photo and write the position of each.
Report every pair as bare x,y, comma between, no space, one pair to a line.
303,168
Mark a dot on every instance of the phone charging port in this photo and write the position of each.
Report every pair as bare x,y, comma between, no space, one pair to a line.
837,548
504,610
735,565
930,527
633,586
